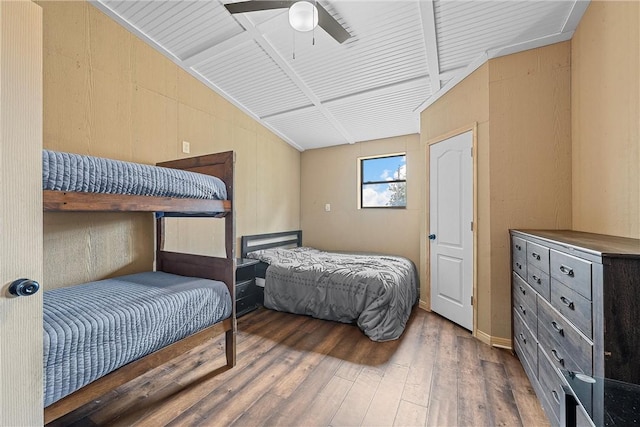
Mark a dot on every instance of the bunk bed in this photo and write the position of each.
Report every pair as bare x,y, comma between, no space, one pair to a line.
377,292
202,278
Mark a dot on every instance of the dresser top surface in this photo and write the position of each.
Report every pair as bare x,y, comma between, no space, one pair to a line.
599,244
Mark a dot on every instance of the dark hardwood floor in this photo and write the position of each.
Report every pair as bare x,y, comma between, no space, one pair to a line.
295,370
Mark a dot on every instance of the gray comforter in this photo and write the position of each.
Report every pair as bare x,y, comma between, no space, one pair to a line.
93,329
376,291
89,174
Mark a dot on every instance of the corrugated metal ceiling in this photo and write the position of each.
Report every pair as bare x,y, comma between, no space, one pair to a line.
401,55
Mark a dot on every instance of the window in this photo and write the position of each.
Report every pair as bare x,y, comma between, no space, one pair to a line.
383,181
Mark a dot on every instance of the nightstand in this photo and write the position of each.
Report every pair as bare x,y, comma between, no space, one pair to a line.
248,295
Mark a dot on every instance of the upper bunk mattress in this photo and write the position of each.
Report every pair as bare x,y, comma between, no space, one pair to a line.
88,174
95,328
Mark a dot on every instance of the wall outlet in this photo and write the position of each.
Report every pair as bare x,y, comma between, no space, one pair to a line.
186,147
327,207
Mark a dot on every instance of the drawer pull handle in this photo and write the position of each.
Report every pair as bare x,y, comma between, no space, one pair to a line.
566,270
537,279
535,255
518,247
522,290
557,328
519,266
556,397
522,309
559,359
567,302
522,338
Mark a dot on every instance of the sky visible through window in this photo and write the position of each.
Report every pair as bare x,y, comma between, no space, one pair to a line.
384,169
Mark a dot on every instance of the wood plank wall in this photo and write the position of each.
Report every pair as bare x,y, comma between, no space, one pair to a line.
330,175
605,119
109,94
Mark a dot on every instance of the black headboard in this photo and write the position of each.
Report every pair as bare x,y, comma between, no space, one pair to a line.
270,240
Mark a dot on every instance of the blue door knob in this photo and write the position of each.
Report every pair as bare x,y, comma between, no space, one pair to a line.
432,237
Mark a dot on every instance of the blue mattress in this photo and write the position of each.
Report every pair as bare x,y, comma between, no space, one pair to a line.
95,328
74,172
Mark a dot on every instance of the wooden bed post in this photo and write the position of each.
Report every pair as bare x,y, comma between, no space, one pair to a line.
221,165
160,230
230,247
230,237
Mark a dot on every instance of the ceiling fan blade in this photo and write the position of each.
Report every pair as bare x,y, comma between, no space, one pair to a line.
330,25
253,6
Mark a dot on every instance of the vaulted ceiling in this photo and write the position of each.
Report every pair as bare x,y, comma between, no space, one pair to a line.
402,56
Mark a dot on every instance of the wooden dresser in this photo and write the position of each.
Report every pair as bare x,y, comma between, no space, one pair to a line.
576,306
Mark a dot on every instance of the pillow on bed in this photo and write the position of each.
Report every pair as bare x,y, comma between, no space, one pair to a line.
281,255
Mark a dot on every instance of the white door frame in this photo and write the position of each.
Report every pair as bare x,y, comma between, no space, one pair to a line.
424,238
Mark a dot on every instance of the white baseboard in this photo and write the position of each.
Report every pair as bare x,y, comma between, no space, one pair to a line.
493,341
484,337
501,343
423,305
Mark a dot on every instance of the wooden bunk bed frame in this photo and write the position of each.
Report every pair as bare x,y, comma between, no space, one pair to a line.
220,165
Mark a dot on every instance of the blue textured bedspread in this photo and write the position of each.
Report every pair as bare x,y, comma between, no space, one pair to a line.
95,328
74,172
376,291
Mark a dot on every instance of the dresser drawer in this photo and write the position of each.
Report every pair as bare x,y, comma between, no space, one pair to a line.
524,303
554,332
538,256
246,304
539,280
245,272
525,339
519,249
573,272
562,356
524,291
550,383
573,306
520,267
245,288
531,371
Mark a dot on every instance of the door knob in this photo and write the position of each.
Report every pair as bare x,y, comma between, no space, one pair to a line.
24,287
432,237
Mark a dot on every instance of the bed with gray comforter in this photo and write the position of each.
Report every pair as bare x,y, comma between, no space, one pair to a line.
376,291
95,328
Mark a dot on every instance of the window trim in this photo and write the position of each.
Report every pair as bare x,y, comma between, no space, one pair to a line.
362,183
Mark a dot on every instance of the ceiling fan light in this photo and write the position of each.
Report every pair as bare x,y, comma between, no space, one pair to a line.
303,16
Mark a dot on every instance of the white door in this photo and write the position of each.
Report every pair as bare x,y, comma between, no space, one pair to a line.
20,212
450,223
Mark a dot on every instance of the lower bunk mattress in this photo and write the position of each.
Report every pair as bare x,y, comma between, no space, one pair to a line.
95,328
376,291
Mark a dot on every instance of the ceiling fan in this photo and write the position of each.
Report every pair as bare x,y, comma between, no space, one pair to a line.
304,15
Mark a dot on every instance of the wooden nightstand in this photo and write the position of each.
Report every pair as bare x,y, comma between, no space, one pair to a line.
248,295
